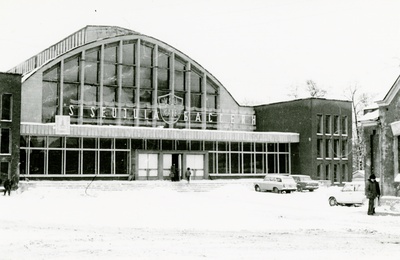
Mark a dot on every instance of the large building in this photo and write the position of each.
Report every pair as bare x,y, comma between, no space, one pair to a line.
114,103
10,104
381,135
325,127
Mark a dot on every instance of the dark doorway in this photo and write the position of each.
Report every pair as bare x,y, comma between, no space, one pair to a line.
176,162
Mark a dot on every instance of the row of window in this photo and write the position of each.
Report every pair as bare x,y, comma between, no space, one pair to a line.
333,148
332,125
334,172
248,163
74,155
123,75
149,144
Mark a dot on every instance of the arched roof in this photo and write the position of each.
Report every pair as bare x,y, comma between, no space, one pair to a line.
88,36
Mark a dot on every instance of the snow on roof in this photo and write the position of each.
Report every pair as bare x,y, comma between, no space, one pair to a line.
371,116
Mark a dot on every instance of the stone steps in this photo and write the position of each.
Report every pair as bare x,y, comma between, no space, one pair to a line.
182,186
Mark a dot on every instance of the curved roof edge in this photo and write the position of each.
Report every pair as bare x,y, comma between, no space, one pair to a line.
81,37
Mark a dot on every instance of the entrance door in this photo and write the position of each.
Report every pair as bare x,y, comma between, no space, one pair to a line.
172,162
196,164
148,167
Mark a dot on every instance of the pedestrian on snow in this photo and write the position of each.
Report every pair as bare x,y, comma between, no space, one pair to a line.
173,172
7,186
188,173
372,191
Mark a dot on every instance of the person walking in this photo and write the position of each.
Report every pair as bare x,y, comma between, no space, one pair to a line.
173,172
187,174
372,191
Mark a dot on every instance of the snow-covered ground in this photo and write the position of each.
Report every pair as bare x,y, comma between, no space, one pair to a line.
229,222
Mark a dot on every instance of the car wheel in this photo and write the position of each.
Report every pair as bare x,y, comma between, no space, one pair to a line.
311,190
332,201
299,189
257,188
275,189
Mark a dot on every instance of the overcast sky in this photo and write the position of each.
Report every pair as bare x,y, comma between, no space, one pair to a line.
260,50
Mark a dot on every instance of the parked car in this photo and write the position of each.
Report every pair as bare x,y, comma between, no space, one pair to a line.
277,183
304,182
352,193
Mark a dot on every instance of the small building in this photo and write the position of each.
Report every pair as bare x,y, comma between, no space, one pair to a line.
10,105
381,134
325,127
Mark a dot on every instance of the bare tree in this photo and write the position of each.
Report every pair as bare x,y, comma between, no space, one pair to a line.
359,102
314,90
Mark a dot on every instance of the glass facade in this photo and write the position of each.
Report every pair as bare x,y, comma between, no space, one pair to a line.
130,82
53,155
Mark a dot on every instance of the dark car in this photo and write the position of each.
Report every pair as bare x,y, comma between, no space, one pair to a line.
304,182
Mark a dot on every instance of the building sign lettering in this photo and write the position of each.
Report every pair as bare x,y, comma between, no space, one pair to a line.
170,109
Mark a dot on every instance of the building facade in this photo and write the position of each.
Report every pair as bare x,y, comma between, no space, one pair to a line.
325,127
10,104
114,103
381,134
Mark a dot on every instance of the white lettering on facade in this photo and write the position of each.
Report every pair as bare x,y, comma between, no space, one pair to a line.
134,114
198,118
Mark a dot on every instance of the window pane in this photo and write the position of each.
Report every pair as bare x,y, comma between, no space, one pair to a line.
5,140
222,163
195,82
55,162
145,98
195,101
319,124
49,101
121,163
72,162
37,161
111,53
128,76
55,142
121,143
89,162
248,166
90,94
38,141
105,162
109,96
127,97
235,163
163,79
71,70
146,56
6,101
106,143
179,75
211,102
89,143
91,72
72,142
146,76
110,74
71,97
52,74
128,56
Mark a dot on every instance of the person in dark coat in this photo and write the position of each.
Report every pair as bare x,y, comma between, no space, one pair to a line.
7,186
372,191
188,173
